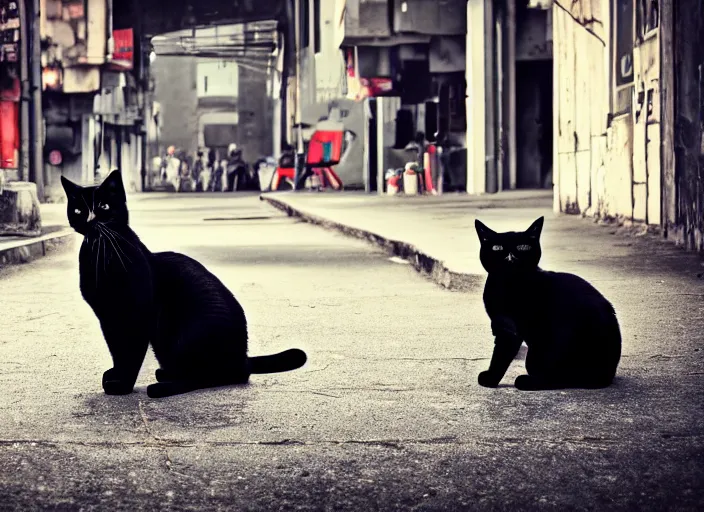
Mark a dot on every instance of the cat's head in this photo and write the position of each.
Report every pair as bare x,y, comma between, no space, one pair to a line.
511,252
104,204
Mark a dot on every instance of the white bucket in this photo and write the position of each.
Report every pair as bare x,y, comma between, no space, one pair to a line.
410,183
266,172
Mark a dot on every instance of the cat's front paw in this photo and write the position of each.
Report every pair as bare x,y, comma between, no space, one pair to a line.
114,385
117,387
526,383
488,380
162,375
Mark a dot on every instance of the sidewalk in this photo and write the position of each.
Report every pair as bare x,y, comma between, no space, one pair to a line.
56,234
437,234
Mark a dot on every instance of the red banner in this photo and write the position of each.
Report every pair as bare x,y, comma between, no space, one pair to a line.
123,56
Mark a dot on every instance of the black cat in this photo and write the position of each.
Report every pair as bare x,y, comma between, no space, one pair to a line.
571,330
196,327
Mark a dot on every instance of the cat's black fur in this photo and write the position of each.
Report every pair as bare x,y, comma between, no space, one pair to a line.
196,327
571,330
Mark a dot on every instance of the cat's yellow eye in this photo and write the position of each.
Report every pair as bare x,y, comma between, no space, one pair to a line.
497,248
77,211
105,207
523,247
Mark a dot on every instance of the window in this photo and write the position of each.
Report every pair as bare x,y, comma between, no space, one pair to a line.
622,56
217,79
305,24
647,17
316,26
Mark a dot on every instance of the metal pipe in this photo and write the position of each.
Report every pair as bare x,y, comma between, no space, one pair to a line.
299,133
111,40
23,164
36,166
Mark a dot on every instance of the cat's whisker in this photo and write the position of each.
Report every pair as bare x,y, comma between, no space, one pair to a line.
115,233
97,258
115,248
111,235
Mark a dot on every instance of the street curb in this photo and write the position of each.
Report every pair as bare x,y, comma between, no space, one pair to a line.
24,251
424,263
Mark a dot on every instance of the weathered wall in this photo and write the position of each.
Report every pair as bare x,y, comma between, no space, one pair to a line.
255,114
175,90
645,165
646,131
592,164
688,227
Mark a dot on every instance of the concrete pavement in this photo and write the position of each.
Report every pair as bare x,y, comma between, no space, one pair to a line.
437,234
386,415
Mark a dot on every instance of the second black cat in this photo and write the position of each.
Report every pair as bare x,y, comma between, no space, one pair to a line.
571,330
196,327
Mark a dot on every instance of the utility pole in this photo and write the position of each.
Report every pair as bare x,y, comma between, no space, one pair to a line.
36,161
300,157
23,166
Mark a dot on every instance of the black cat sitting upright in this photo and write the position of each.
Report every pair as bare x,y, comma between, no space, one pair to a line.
571,330
196,327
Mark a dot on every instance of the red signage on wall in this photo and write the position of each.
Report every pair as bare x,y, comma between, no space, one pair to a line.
9,134
123,56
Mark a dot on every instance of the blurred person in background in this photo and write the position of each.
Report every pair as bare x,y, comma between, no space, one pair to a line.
216,177
236,168
172,168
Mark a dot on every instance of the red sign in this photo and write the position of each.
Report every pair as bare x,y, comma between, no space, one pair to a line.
123,55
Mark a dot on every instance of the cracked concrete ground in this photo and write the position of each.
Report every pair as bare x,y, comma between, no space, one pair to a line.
386,415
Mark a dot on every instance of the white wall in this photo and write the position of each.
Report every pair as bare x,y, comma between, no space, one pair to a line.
217,79
330,66
476,97
601,169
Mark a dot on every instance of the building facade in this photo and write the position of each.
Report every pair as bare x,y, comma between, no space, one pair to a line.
95,93
629,112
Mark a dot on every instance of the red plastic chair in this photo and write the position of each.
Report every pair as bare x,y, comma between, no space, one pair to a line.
324,150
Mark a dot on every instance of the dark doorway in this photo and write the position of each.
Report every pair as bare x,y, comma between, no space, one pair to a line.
219,137
373,171
534,124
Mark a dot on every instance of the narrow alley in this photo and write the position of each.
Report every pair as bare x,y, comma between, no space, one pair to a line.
386,414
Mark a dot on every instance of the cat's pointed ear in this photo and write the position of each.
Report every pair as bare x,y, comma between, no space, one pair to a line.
71,189
536,228
483,232
114,186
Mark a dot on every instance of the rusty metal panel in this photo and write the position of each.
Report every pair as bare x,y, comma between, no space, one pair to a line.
366,19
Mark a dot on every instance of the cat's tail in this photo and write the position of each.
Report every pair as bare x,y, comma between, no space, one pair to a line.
285,361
